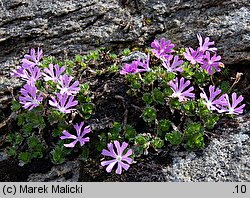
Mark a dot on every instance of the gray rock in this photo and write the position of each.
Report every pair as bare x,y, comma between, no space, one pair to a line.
3,156
134,56
75,26
67,172
225,159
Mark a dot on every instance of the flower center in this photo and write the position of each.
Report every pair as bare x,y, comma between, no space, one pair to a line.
35,101
118,158
64,90
62,109
176,94
209,104
231,110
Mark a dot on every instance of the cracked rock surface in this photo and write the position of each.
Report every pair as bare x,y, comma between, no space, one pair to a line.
74,26
65,28
225,159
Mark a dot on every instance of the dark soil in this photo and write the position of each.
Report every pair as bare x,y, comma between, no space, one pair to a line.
147,170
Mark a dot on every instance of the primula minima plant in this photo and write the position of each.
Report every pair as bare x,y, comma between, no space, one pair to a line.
177,92
178,82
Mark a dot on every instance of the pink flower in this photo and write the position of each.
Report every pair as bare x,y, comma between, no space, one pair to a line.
193,56
79,135
175,66
162,49
118,156
136,66
53,72
211,102
65,87
30,75
231,108
179,89
210,63
205,46
32,59
29,99
64,103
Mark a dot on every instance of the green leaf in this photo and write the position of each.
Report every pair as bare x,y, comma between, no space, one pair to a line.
14,138
25,157
140,140
94,55
37,154
189,107
175,138
168,77
78,58
10,138
112,56
86,109
113,68
157,143
126,52
149,114
85,153
147,98
175,103
101,145
84,88
35,147
158,96
15,105
69,71
194,136
188,70
19,139
149,77
211,121
167,92
130,132
224,86
195,142
136,85
69,63
33,142
12,152
58,155
115,131
163,127
56,133
27,128
20,119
